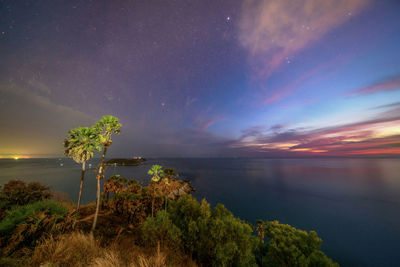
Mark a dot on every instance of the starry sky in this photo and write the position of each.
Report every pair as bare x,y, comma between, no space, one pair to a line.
200,78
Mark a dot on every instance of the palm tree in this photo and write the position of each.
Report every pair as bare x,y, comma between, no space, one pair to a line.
260,230
80,145
172,175
158,173
104,129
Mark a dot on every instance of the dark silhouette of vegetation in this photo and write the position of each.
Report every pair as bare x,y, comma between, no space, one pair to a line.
80,145
16,193
125,162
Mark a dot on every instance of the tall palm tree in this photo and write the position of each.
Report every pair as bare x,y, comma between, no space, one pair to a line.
104,128
80,145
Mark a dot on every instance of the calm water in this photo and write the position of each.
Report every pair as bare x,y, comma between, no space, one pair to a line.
353,204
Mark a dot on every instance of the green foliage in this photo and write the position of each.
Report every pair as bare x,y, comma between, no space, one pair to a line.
21,193
20,214
81,144
157,172
161,229
170,173
289,246
215,237
105,127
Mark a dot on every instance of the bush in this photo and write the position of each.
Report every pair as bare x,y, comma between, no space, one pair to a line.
21,193
25,225
289,246
214,237
234,243
161,229
19,215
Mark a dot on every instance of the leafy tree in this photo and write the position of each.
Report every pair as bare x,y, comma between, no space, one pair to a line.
104,128
80,145
289,246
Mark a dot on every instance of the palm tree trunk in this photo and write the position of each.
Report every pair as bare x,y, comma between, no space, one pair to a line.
98,177
81,186
152,206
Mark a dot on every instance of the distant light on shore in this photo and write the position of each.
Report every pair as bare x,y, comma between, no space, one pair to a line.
15,156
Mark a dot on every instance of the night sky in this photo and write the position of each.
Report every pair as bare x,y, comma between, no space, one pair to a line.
203,78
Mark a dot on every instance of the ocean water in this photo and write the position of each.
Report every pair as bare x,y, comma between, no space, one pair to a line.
353,204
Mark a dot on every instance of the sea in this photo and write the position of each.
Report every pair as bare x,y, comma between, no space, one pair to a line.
353,204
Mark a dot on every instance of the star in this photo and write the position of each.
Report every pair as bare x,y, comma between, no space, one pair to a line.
228,18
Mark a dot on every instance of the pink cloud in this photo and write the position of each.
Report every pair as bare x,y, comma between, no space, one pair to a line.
273,31
390,84
342,140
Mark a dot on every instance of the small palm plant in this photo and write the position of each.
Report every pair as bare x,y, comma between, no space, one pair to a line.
104,128
157,173
80,145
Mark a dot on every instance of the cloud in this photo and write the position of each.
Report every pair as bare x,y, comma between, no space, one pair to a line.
391,105
389,84
273,31
378,136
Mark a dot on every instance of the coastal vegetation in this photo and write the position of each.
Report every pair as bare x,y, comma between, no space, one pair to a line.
186,232
154,223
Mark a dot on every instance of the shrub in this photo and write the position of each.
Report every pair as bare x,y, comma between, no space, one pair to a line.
289,246
21,193
161,229
19,215
25,225
214,237
234,243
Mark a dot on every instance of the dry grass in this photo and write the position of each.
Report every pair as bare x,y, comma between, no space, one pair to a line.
109,259
77,249
74,249
158,260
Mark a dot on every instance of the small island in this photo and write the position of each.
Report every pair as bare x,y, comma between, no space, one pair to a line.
136,161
